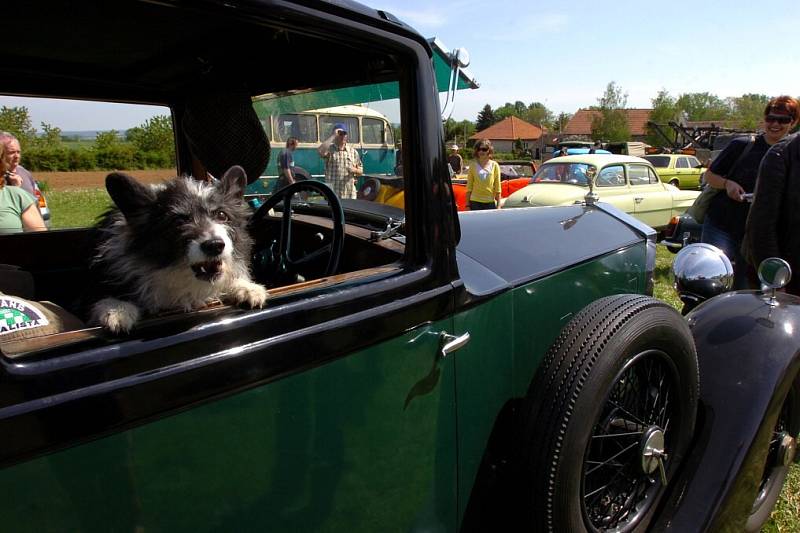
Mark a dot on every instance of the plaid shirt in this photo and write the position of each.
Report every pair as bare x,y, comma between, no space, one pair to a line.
337,173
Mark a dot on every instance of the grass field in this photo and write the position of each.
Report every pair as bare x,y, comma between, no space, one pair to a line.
77,208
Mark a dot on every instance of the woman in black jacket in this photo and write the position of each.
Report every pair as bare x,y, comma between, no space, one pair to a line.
734,171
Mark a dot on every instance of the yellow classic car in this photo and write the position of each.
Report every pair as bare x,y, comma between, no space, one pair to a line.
626,182
681,170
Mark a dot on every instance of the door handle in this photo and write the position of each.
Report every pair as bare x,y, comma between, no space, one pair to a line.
451,343
638,199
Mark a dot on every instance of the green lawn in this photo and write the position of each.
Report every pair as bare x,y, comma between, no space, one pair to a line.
81,208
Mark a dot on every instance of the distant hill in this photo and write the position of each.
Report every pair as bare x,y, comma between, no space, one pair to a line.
87,135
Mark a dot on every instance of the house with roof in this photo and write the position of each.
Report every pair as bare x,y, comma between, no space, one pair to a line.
505,133
580,125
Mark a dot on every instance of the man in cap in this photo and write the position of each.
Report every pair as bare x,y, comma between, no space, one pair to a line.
455,160
342,162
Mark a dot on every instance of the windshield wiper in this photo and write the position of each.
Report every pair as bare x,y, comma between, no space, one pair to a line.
392,228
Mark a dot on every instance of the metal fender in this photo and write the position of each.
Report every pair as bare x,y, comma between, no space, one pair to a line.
747,346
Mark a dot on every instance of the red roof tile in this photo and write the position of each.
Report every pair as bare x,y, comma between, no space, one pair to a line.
510,129
581,121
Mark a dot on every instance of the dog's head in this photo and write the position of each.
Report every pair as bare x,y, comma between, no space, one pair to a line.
184,222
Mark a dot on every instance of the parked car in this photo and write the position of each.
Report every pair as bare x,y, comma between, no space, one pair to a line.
682,171
424,370
390,190
682,230
629,183
42,204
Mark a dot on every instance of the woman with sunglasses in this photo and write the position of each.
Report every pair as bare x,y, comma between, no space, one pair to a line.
734,172
483,179
775,214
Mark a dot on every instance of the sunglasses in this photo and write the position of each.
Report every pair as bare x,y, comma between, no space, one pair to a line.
780,119
483,149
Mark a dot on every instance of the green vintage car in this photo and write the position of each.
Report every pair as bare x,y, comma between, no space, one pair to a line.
629,183
413,369
680,170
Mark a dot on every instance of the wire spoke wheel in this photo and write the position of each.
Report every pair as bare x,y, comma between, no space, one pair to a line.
619,477
611,413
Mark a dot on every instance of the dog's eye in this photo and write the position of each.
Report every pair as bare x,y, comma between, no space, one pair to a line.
221,216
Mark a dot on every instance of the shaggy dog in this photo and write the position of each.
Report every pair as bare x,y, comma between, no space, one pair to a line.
176,245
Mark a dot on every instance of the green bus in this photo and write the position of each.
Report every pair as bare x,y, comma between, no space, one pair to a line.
369,131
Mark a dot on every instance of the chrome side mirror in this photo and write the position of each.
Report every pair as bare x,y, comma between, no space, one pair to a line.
701,271
774,273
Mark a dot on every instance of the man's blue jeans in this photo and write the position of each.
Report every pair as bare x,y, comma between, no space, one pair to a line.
731,247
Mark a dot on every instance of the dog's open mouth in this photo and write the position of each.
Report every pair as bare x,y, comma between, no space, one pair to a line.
207,270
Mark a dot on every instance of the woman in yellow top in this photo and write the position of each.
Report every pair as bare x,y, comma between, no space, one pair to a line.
483,179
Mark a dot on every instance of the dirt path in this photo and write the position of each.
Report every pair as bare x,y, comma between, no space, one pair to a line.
63,181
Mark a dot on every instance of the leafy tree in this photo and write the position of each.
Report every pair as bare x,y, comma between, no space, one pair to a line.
17,120
154,135
748,110
702,106
485,118
558,123
51,136
537,113
665,110
611,124
458,132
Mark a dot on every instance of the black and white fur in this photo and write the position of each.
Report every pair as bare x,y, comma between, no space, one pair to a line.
176,245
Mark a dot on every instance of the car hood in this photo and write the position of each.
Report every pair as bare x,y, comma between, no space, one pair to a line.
546,194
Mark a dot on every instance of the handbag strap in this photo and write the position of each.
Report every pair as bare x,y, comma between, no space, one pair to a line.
741,156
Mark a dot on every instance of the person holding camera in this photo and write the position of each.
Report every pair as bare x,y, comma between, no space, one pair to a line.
342,163
18,175
18,209
734,173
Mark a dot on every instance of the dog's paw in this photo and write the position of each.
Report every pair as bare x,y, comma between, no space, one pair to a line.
247,293
115,315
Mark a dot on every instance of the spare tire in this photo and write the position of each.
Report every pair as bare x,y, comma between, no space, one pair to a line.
612,406
369,189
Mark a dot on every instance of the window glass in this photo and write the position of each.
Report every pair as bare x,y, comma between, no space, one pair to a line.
304,127
682,163
658,161
638,175
613,176
70,160
327,123
693,162
572,173
372,130
653,175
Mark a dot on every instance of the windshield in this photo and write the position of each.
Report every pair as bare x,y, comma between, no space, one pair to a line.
658,161
515,170
572,173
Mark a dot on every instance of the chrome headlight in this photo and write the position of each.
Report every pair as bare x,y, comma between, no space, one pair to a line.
702,271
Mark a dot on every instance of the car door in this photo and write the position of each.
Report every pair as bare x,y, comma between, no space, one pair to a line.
612,187
331,409
652,202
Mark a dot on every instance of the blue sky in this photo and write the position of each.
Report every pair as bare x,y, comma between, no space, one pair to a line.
563,54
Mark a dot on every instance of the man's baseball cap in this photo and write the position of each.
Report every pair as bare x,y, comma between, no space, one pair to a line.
454,147
340,126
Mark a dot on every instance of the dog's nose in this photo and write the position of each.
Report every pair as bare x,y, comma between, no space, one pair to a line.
213,246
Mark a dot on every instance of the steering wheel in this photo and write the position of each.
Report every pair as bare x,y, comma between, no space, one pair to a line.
276,263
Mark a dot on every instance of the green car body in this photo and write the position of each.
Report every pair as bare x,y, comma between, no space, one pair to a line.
445,373
680,170
628,183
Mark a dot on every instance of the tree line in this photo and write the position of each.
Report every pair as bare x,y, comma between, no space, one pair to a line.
610,124
147,146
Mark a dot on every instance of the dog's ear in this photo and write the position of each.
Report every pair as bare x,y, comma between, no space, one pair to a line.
234,181
129,195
